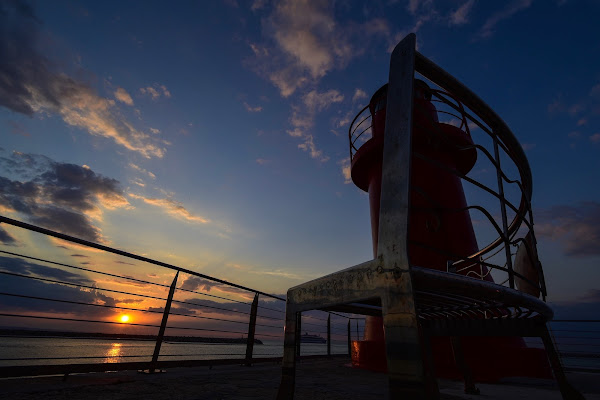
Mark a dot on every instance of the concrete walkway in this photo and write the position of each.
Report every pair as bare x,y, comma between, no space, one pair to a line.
316,380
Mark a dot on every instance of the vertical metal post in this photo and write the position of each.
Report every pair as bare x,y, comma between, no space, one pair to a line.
568,392
298,333
509,266
328,334
349,340
251,330
163,325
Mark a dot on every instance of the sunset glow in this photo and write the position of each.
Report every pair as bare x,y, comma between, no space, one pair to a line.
221,146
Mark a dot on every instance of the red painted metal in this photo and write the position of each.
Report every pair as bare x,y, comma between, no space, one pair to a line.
434,223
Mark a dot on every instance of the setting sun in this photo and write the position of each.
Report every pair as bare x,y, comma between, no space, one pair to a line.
124,318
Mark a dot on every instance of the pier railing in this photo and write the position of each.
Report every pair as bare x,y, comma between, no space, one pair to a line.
67,288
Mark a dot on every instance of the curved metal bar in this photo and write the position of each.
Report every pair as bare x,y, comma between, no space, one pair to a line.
447,282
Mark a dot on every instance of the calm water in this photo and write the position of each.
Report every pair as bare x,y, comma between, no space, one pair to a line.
67,350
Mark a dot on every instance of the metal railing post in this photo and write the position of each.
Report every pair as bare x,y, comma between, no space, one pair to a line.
298,333
349,339
509,266
328,334
163,325
251,330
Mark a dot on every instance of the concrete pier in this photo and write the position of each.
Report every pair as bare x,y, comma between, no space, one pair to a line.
317,379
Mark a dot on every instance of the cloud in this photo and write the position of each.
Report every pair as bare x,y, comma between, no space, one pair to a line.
258,5
346,171
196,283
528,146
29,85
19,285
252,109
305,42
262,161
156,91
173,208
6,238
595,138
64,197
17,129
415,6
20,266
142,170
576,227
461,15
511,9
124,97
359,94
581,308
303,115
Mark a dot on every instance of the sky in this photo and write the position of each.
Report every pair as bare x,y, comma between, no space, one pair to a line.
212,135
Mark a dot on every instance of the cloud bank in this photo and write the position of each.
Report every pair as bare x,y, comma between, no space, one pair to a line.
576,227
60,196
29,85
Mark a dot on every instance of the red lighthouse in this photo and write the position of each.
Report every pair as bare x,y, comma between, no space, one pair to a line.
440,234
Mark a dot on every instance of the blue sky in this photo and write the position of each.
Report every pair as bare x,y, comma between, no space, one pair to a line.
213,135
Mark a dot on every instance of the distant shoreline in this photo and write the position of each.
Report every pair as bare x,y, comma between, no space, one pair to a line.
122,336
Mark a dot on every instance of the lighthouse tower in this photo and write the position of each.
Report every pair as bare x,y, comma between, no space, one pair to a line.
440,233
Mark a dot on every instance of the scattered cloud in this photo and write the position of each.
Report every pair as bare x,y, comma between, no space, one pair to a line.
155,91
35,87
258,5
576,227
346,173
196,283
124,97
262,161
142,170
461,15
595,138
172,207
528,146
59,196
359,94
20,266
17,128
80,255
508,11
6,238
50,290
249,108
304,42
302,119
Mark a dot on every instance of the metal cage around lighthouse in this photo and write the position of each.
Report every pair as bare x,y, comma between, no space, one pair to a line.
511,254
477,293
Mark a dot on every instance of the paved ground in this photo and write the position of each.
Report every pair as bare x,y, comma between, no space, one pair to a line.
316,380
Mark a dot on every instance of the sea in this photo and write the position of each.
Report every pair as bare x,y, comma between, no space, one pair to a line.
63,350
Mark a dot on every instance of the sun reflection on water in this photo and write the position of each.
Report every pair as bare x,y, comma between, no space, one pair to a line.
113,353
